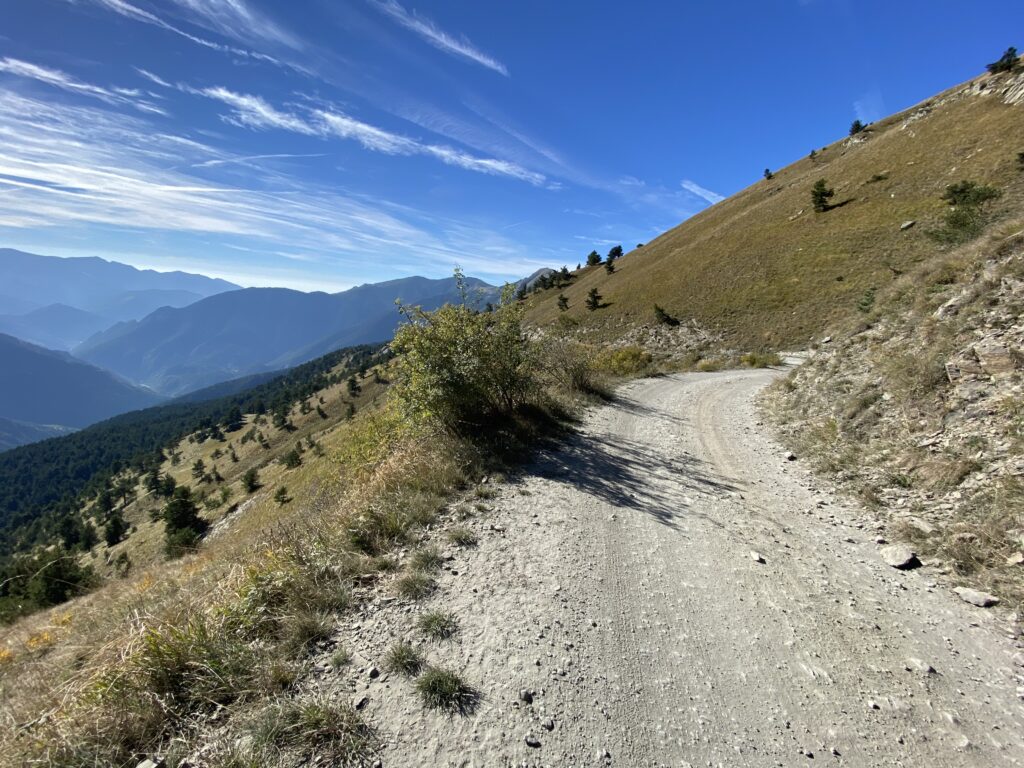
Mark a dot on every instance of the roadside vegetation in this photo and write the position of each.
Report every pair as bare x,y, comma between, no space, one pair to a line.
136,668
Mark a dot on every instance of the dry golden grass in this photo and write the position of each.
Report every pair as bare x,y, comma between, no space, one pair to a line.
765,270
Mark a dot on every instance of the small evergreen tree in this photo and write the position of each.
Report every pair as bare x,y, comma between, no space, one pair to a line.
593,259
615,253
292,459
1006,63
281,496
856,127
768,174
182,525
593,300
563,302
115,529
609,266
198,469
251,480
968,193
814,154
821,193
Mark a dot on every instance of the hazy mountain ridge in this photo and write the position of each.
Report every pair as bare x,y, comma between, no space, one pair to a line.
255,330
41,386
58,303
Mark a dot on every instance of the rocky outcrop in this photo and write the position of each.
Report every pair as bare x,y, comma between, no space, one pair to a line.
921,413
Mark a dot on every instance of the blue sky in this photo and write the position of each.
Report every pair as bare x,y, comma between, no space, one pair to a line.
321,144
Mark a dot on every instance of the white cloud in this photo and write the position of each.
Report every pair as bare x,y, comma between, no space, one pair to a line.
153,78
696,189
253,111
58,79
126,9
233,18
67,166
437,37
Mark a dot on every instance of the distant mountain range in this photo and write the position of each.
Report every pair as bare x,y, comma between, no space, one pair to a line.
43,392
255,330
58,303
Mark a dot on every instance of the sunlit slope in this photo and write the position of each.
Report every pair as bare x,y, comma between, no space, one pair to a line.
764,269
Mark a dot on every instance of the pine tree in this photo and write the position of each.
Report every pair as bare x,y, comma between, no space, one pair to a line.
609,265
281,496
115,529
615,253
768,174
593,300
563,302
1006,63
234,420
593,259
856,127
251,480
198,469
820,195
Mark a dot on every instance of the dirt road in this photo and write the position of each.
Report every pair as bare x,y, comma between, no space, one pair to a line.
619,582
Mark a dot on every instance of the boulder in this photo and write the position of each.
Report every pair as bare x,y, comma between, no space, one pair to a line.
977,597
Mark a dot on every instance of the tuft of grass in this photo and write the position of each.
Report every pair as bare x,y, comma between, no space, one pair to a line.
445,690
426,559
462,537
415,585
438,625
335,733
300,632
404,659
342,657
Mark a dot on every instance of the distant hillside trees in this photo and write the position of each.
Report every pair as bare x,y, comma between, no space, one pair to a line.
615,253
115,529
593,300
352,386
857,127
593,259
563,302
821,193
768,174
1005,63
609,266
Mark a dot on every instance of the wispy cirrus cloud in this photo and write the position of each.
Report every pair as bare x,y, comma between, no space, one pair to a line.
255,112
126,9
66,166
236,19
702,192
58,79
437,37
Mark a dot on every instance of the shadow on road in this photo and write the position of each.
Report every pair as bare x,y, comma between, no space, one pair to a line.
630,474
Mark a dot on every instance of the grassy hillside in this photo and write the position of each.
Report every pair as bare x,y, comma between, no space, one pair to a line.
765,270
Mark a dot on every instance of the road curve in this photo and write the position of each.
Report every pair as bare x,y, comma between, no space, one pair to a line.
673,592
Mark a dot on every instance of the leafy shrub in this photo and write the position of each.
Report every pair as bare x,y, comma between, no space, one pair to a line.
460,367
625,361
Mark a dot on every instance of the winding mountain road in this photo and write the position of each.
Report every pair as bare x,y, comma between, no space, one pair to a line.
671,591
